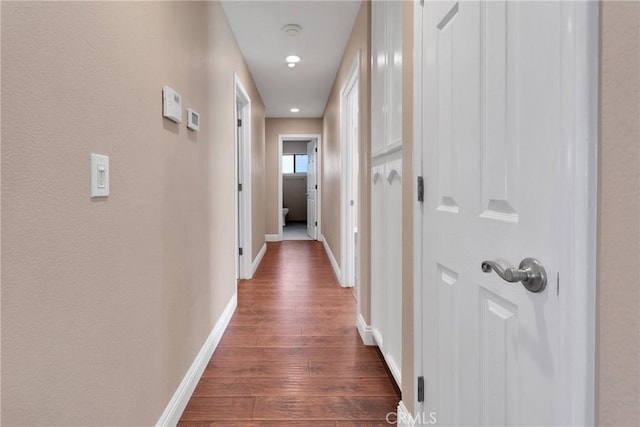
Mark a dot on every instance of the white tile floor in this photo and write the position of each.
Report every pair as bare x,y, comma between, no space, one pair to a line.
295,231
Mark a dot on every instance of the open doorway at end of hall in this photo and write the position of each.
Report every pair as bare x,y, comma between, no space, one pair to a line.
299,189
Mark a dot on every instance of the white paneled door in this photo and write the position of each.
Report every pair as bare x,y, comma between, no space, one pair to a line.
350,182
494,123
311,189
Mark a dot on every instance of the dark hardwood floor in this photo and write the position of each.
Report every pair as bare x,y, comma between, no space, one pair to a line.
291,355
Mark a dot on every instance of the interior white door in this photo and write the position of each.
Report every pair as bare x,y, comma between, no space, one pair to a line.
492,139
239,204
312,186
350,145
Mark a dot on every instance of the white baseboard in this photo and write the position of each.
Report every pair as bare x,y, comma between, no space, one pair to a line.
332,259
366,334
256,262
404,418
377,338
272,238
395,371
178,402
391,364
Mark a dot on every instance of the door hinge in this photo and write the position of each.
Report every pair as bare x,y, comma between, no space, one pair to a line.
239,251
316,186
420,189
316,223
421,2
420,389
316,149
239,122
239,187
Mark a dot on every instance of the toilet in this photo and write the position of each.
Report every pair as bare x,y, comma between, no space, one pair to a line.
285,211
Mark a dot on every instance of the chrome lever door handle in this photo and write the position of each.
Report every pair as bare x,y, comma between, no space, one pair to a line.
511,275
530,272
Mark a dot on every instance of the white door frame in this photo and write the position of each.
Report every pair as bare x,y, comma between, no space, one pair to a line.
242,198
347,245
300,137
580,114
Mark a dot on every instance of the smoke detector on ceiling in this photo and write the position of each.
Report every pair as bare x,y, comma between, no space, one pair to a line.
292,30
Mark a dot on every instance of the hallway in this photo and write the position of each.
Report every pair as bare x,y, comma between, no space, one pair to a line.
292,353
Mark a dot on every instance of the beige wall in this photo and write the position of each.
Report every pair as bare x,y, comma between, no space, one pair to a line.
258,184
105,303
408,199
359,44
294,190
618,333
294,147
273,128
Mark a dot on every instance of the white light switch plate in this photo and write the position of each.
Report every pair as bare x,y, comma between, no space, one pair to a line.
172,104
99,175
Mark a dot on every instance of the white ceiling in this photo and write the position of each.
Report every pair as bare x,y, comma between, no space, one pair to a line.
326,26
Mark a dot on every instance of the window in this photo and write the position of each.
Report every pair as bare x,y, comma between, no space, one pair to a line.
301,162
287,163
294,163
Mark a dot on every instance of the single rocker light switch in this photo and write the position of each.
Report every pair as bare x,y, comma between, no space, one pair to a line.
99,175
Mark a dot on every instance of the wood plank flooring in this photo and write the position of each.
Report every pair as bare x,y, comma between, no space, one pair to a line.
291,355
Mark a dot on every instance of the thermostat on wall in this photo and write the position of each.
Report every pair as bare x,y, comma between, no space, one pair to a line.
172,104
193,120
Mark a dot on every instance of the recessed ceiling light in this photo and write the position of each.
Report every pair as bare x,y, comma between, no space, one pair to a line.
294,110
293,58
291,64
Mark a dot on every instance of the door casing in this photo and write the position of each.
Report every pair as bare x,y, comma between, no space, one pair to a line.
312,150
242,154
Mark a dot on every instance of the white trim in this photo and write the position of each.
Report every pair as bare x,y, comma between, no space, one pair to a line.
404,417
394,369
377,337
243,198
301,137
319,166
347,246
180,398
332,259
256,262
272,238
366,334
417,206
579,111
279,207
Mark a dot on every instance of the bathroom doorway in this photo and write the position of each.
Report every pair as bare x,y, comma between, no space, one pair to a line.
299,187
